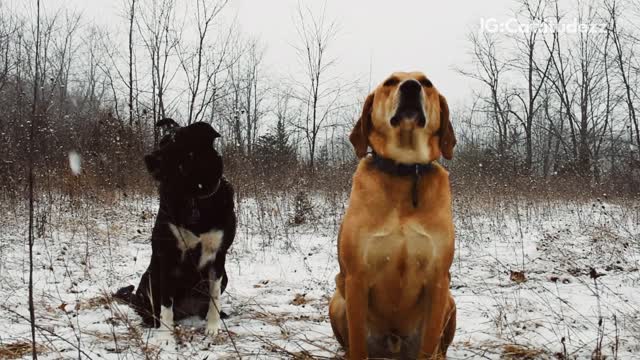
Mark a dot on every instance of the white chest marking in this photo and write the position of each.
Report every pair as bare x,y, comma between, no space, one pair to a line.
186,240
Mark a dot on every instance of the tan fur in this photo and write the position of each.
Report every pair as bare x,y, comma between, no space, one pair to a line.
394,258
407,143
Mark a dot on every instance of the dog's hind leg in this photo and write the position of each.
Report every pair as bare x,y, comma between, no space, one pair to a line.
225,281
338,317
437,310
162,292
142,300
449,328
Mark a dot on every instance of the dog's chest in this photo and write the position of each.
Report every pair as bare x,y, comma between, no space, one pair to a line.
402,251
186,240
401,262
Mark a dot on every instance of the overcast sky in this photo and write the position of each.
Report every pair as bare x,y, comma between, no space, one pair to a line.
383,36
429,36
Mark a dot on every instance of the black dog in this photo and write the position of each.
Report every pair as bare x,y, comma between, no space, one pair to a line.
195,227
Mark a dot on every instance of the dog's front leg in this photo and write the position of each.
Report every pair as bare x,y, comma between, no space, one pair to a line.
357,301
434,318
166,307
213,314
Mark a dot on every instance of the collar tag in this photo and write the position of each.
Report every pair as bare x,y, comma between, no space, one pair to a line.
194,217
414,188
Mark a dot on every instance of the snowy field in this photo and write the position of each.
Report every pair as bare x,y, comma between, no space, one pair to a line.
543,279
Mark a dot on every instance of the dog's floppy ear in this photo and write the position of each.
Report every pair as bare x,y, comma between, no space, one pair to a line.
447,137
168,128
215,134
153,162
167,123
201,133
360,134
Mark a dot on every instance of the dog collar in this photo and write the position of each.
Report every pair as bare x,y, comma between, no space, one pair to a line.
213,192
194,216
394,168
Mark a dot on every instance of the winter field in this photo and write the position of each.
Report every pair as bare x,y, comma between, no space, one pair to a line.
532,280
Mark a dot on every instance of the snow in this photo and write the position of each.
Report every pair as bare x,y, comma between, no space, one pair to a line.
281,279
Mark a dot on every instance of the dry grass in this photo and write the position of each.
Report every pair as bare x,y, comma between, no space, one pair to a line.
18,349
518,352
95,302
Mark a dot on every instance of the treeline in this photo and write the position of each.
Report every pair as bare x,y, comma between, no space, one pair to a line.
551,106
559,94
100,92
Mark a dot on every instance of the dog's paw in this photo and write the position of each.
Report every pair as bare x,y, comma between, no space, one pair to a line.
213,327
166,318
168,327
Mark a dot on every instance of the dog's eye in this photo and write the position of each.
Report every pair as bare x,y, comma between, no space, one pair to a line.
391,81
426,83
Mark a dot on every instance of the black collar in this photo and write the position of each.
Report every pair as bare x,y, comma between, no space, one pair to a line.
394,168
194,204
213,192
186,209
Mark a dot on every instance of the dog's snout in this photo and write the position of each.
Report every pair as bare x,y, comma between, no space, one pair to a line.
410,87
409,104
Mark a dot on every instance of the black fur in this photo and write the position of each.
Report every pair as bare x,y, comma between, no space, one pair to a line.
195,196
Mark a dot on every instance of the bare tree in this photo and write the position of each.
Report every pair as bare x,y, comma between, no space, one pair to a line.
32,124
284,109
8,30
580,83
114,70
254,93
64,47
93,85
534,74
156,24
244,102
131,18
490,70
318,91
200,65
624,63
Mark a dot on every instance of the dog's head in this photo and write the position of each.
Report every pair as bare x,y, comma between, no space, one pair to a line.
405,119
186,161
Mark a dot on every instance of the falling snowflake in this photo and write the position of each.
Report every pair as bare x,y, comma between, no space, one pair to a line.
75,162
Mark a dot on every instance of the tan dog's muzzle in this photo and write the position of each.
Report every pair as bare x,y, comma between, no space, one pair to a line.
410,105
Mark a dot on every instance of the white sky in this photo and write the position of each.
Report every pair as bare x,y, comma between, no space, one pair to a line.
386,36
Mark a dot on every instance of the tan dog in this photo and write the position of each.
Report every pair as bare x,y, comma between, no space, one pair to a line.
396,241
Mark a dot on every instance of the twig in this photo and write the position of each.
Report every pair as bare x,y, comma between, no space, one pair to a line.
32,316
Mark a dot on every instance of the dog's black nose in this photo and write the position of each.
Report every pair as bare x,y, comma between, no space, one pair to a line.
410,105
410,87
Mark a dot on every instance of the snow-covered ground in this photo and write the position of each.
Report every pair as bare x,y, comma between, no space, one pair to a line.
522,279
